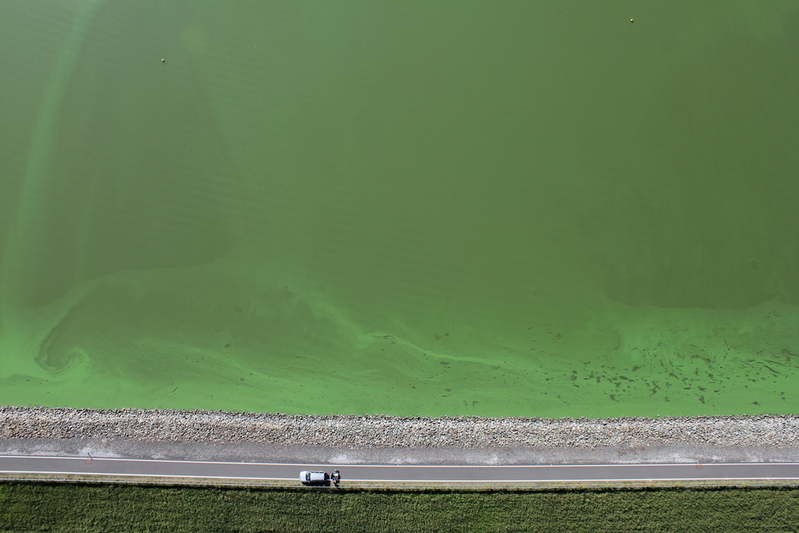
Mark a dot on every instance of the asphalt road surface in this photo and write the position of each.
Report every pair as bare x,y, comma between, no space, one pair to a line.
87,466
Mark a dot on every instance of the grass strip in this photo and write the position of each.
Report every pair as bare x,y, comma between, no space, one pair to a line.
47,506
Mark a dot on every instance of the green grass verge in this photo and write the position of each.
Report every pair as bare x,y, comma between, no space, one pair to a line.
106,507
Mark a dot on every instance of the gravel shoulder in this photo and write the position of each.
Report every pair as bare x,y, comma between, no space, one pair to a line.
264,437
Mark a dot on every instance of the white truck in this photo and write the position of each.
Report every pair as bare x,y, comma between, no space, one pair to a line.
314,478
319,478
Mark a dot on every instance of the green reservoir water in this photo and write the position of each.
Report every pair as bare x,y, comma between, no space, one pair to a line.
529,208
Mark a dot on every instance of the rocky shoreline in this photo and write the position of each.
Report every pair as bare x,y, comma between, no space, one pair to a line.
376,432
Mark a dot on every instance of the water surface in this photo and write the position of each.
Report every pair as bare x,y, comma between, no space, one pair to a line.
416,208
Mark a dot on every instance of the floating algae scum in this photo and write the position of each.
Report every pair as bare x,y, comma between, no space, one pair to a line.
286,221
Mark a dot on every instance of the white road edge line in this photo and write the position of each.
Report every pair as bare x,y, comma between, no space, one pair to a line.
612,480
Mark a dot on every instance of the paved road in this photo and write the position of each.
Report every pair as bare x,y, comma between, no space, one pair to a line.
400,473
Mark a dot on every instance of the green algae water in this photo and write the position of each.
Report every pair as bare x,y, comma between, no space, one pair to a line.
419,208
